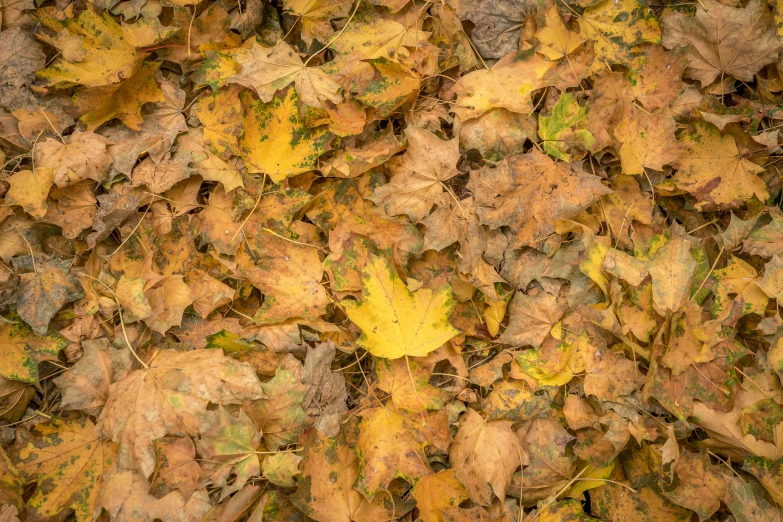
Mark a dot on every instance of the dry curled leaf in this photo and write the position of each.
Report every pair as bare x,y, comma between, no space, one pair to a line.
485,456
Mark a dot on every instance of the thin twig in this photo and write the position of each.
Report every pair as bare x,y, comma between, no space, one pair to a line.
334,39
32,256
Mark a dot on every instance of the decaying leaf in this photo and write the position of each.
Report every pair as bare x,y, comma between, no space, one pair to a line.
437,493
724,40
279,415
29,189
67,459
22,350
389,446
177,386
44,291
276,141
95,51
175,467
229,449
485,456
86,386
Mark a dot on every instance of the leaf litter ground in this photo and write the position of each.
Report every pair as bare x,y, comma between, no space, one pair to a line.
391,260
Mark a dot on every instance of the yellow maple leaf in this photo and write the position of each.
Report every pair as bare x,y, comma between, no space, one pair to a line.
122,100
29,189
712,169
647,140
220,113
267,70
389,447
95,51
379,38
437,493
397,322
70,457
277,141
508,86
618,28
555,38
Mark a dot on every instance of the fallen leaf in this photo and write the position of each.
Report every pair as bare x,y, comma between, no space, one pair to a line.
379,38
618,30
228,450
315,16
94,51
22,350
613,500
175,467
399,376
512,400
325,400
395,321
555,38
123,101
417,180
557,190
701,485
176,386
531,319
269,69
29,189
578,413
86,386
485,455
84,156
130,295
437,493
287,272
723,40
765,241
168,300
279,415
220,114
389,447
564,132
276,141
497,133
329,469
73,210
44,291
160,176
67,459
647,140
483,90
354,161
208,293
711,168
125,498
14,398
21,55
281,468
743,499
609,375
768,472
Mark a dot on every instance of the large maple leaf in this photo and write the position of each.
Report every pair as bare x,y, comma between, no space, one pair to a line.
724,40
395,321
177,387
529,192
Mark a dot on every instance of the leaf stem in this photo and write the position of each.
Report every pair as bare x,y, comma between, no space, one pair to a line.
356,8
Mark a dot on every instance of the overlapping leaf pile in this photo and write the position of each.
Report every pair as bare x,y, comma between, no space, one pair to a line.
489,260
